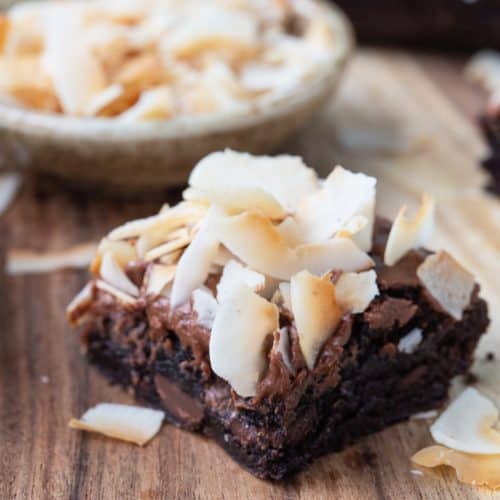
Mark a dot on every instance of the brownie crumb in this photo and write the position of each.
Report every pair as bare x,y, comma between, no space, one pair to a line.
490,356
470,378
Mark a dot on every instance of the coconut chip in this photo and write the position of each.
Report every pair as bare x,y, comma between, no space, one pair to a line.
284,349
484,69
447,281
111,272
477,470
410,342
194,265
205,306
235,274
9,186
315,311
257,242
407,234
273,185
237,341
158,277
118,294
81,301
355,291
31,262
344,194
128,423
468,425
167,248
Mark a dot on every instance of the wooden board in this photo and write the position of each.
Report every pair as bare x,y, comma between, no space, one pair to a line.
426,110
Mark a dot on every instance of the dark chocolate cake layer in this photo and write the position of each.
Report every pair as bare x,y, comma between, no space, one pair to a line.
452,24
365,378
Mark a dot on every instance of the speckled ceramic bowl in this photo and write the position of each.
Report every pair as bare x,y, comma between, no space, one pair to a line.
134,158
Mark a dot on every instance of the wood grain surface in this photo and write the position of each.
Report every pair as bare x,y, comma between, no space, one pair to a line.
421,103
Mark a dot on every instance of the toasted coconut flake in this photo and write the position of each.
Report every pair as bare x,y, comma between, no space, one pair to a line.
344,194
104,99
257,242
74,71
118,294
273,185
30,262
447,281
284,349
167,248
205,306
111,272
407,233
410,342
213,28
234,274
355,291
128,423
340,254
123,252
254,240
194,265
166,221
468,425
424,415
154,104
171,258
286,297
9,186
80,301
315,311
290,231
159,276
237,342
484,69
477,470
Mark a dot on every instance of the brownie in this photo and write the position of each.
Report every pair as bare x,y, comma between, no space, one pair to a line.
365,377
453,24
490,124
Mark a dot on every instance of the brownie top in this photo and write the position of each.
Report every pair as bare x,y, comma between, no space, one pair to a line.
263,270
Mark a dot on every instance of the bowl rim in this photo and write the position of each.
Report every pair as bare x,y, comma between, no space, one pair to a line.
98,129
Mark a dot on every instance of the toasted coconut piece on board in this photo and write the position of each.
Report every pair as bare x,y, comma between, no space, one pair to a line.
315,311
128,423
28,261
167,248
237,343
477,470
355,291
468,425
111,272
407,233
447,281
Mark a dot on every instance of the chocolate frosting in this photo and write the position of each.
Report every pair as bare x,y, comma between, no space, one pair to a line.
164,326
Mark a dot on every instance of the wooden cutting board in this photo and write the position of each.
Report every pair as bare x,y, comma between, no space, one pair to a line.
405,118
